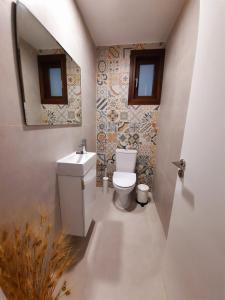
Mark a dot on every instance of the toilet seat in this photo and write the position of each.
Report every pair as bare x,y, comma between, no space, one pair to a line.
124,179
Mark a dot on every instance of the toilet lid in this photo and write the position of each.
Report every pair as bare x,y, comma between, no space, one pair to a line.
124,179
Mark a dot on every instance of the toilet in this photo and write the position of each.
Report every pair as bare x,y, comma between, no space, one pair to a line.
124,179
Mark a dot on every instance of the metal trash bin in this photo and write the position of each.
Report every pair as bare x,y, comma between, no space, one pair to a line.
142,194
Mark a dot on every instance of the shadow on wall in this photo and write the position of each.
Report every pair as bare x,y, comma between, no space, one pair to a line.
189,197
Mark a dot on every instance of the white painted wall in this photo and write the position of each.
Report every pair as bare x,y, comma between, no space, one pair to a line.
177,78
28,155
194,266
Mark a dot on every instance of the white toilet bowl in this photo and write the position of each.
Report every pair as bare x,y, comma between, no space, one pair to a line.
124,183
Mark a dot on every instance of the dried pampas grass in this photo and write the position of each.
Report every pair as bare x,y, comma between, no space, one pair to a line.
32,262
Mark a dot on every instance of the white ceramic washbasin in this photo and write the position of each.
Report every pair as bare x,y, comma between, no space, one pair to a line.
76,164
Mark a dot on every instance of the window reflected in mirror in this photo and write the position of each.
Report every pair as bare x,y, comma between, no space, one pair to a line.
53,78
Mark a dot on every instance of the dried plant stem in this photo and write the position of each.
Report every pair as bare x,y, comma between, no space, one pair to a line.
31,262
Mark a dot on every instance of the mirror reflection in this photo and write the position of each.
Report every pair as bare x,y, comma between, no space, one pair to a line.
50,78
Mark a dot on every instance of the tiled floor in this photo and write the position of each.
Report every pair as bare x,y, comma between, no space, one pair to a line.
123,257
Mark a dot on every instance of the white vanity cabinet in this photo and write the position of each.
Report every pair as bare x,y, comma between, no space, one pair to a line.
77,190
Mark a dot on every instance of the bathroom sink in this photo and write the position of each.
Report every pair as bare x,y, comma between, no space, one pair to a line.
76,164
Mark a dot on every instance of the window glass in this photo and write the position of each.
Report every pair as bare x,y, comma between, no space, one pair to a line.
55,82
146,79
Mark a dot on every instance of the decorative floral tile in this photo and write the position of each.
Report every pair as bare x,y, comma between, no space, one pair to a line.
126,54
101,103
122,139
135,108
114,90
113,103
120,125
124,92
101,53
145,149
101,137
71,114
101,158
101,126
111,137
100,172
102,79
150,136
134,127
123,127
152,162
124,79
114,66
112,127
124,116
111,158
114,52
102,92
135,116
111,148
102,66
113,115
114,79
73,79
124,102
133,140
101,117
101,148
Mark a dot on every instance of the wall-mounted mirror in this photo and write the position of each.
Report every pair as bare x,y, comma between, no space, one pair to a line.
50,78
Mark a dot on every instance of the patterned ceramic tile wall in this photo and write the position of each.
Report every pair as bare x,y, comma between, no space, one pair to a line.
71,113
119,124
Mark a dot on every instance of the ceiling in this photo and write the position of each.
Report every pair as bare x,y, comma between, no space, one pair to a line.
115,22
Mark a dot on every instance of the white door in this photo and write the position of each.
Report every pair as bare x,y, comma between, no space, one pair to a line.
194,265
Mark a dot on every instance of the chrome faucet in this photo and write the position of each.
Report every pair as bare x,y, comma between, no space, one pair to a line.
84,143
82,146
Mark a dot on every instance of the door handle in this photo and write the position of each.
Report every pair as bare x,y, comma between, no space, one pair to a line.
181,165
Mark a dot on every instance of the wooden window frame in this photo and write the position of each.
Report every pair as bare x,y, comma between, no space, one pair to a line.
44,63
138,57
